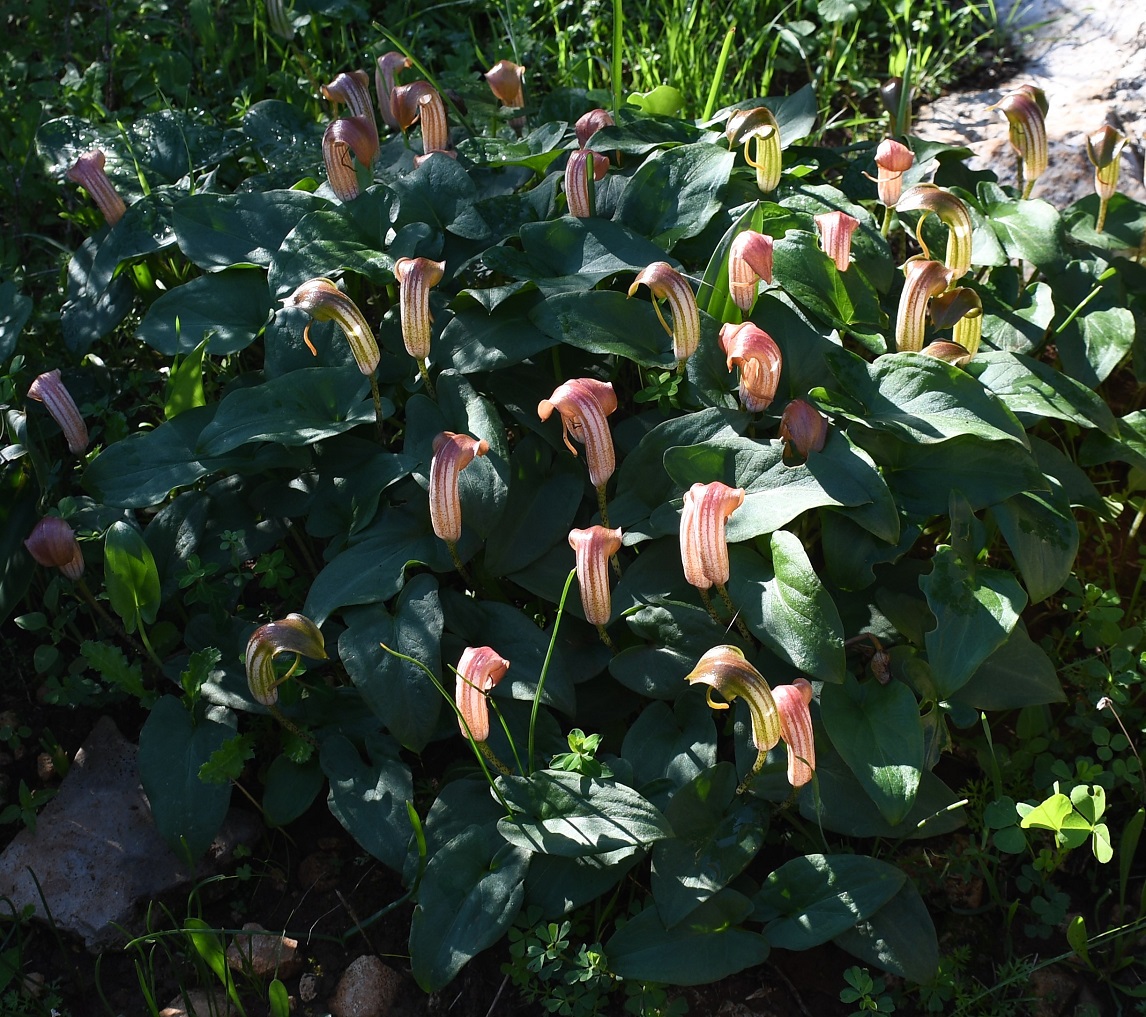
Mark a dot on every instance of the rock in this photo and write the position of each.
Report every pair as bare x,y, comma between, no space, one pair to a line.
198,1004
96,852
263,954
308,987
1053,989
1091,61
367,989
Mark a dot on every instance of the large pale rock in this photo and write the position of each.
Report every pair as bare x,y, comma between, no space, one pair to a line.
367,989
95,851
1090,59
263,954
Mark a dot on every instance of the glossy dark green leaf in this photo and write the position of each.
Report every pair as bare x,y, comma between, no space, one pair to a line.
441,194
475,339
544,491
299,408
718,833
814,898
899,938
604,321
708,945
876,730
918,398
1017,674
557,885
15,309
187,812
851,552
975,611
399,693
1033,390
1095,343
1123,229
228,309
535,151
220,230
369,798
130,576
290,789
327,243
675,743
560,813
1030,230
1013,321
795,114
92,309
1128,444
283,135
19,512
844,299
1043,536
675,192
787,607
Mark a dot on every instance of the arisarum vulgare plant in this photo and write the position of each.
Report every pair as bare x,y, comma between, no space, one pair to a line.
703,544
581,172
960,309
507,82
666,283
1025,109
435,127
759,133
792,703
953,213
385,74
49,389
344,136
405,103
1104,150
416,277
479,671
583,405
803,428
590,123
836,229
295,634
452,453
594,547
750,259
748,347
88,172
924,280
892,160
353,89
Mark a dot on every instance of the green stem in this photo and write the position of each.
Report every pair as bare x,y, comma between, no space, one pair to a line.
426,378
617,23
718,77
376,395
545,667
741,627
886,227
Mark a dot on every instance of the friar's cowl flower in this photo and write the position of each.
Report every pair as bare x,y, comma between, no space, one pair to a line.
49,389
1025,109
726,670
750,348
479,670
389,64
324,301
892,160
583,404
52,543
353,88
925,279
952,212
343,136
505,79
803,428
836,229
590,123
295,634
582,170
435,126
88,172
703,547
416,277
962,310
594,547
665,282
749,261
793,702
759,133
404,103
452,454
278,20
1104,150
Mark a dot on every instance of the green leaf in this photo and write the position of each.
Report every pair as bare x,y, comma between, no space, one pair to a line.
846,300
15,309
397,692
814,898
219,231
662,101
228,310
900,938
476,339
1016,321
1048,815
536,151
369,799
604,321
560,813
172,748
290,789
877,731
795,113
1017,674
112,666
841,11
1043,536
557,885
327,243
707,946
975,610
1095,343
1128,444
675,192
1033,390
1029,230
185,384
675,743
917,398
299,408
471,892
718,833
131,577
789,610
